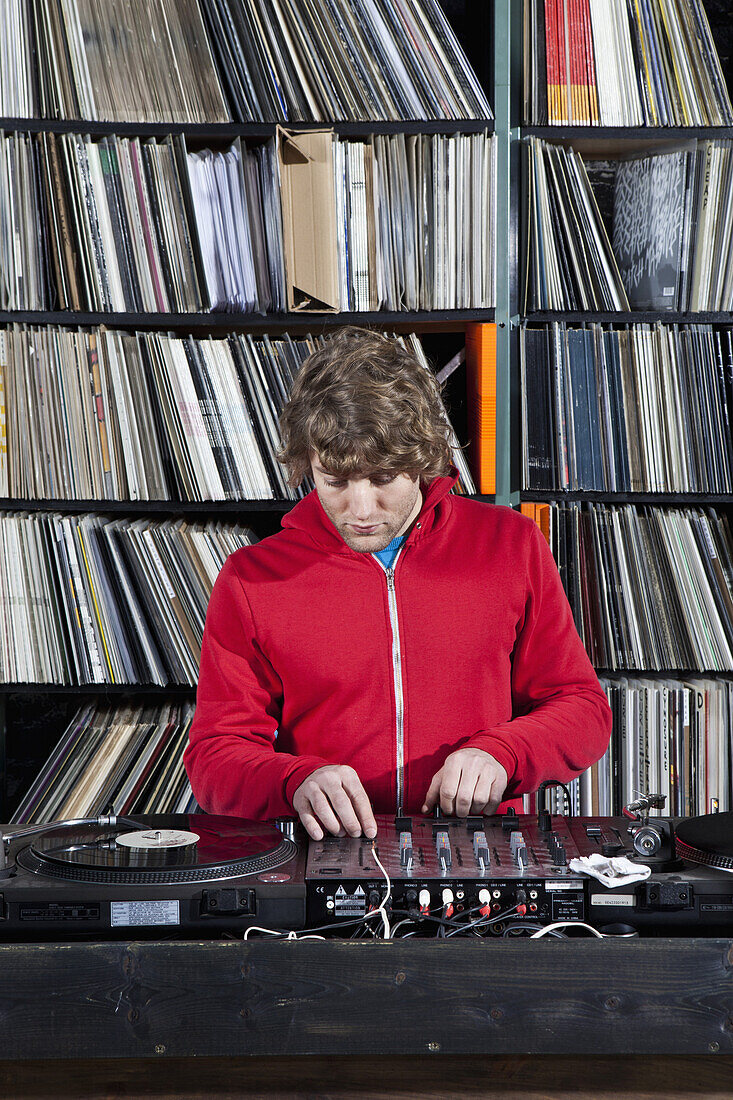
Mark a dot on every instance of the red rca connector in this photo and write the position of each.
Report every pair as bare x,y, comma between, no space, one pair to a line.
484,896
522,910
424,902
447,904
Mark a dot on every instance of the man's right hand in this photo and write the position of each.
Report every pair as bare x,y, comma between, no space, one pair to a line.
333,800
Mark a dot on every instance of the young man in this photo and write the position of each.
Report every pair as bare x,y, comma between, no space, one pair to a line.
394,646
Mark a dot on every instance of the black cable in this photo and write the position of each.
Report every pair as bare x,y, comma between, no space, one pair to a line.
485,922
516,929
544,786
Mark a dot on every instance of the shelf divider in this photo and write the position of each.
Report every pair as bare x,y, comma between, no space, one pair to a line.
507,60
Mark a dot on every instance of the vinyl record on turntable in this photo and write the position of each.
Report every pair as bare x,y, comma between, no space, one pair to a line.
707,840
167,848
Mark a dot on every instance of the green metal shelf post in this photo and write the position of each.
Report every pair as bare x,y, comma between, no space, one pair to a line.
507,64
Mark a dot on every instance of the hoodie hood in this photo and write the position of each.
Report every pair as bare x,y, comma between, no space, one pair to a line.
308,515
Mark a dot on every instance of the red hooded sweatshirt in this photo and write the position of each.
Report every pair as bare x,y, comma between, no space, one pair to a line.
313,654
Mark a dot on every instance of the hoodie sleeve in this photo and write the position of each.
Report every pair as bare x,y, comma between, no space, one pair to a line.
231,758
562,720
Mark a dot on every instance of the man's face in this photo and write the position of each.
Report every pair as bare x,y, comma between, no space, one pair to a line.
368,512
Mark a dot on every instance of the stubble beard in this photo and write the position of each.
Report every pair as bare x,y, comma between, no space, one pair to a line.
380,540
369,544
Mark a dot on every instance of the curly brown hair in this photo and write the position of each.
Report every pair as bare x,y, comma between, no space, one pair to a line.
364,403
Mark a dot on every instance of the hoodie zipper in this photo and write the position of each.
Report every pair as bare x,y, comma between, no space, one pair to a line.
398,688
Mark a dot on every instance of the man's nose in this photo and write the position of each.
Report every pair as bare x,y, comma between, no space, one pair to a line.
362,499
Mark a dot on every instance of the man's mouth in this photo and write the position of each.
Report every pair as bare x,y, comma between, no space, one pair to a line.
368,530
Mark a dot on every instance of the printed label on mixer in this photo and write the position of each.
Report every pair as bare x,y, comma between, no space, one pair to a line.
350,905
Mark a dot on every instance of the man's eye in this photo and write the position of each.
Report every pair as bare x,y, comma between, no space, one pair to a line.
335,484
386,480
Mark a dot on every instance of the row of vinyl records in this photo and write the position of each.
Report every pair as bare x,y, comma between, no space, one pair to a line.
106,415
84,599
665,245
88,599
128,756
641,409
129,225
614,63
669,736
650,588
251,60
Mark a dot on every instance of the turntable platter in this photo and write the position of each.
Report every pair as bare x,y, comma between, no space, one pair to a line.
166,848
707,840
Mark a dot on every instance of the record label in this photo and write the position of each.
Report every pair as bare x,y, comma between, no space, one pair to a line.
158,838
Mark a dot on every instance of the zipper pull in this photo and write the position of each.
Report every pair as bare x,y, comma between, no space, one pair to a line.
390,579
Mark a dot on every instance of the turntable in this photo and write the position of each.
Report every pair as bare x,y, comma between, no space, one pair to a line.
707,840
176,874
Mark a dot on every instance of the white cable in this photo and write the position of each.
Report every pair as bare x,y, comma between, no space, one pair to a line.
387,896
265,931
566,924
287,935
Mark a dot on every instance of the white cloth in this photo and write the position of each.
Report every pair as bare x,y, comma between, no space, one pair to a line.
617,871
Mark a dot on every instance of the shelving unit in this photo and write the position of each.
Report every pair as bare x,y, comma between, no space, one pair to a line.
602,143
496,42
629,498
225,131
192,323
24,708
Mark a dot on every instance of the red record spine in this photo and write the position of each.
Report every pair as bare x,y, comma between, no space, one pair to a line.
590,64
551,57
562,63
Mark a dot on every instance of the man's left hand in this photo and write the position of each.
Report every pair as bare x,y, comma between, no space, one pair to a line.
470,782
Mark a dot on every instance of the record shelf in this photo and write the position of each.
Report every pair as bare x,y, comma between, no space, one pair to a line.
189,323
29,712
629,498
602,143
623,133
225,131
637,316
500,70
